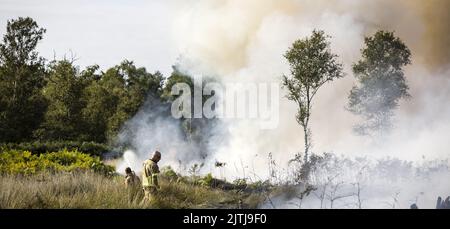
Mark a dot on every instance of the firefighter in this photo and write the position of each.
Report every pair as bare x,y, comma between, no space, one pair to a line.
150,176
132,184
131,180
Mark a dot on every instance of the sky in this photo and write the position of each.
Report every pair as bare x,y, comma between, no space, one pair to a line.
100,32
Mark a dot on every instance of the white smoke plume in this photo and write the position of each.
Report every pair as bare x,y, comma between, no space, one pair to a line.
153,128
362,182
244,41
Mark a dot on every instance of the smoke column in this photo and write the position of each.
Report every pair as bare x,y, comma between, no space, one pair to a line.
244,41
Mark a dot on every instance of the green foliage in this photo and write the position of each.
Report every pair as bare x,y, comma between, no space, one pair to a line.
169,173
100,105
311,66
207,180
381,81
62,119
116,97
26,163
22,74
91,148
176,77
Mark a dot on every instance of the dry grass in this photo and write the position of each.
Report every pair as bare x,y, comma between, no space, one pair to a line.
83,190
91,190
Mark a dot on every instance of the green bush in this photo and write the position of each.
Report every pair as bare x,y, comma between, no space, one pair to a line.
169,173
207,180
91,148
26,163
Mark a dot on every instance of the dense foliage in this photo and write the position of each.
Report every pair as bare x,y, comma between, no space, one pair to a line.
26,163
91,148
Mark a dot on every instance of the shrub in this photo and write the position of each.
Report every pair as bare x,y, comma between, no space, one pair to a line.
26,163
207,180
168,173
92,148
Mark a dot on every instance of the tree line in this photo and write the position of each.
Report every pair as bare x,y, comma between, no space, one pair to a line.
55,100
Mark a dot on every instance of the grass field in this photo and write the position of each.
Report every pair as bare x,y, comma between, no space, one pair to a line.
92,190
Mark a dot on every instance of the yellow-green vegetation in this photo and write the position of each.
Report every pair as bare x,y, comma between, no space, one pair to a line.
26,163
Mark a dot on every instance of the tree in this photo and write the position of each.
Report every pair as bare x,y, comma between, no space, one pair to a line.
138,85
311,66
197,130
63,91
115,97
100,105
176,77
22,74
381,82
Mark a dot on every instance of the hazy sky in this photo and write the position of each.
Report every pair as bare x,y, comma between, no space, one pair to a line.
101,32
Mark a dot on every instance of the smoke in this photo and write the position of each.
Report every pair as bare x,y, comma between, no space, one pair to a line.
361,182
436,39
244,41
154,128
220,34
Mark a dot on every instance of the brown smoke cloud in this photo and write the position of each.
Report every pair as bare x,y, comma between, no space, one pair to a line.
220,33
429,36
436,43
